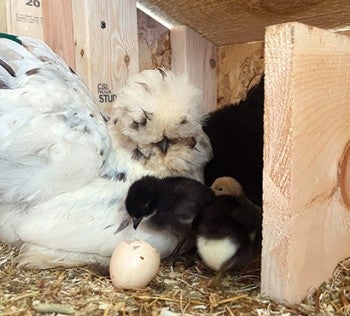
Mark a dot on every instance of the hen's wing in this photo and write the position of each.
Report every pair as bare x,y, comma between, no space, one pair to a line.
53,138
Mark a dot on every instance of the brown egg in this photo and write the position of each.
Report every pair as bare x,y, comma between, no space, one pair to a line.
134,264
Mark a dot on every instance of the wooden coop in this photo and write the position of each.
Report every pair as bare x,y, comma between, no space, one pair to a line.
224,48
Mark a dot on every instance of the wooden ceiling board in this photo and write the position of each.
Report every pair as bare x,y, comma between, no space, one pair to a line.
226,22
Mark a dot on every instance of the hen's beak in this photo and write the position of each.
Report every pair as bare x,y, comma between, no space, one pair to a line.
136,221
163,144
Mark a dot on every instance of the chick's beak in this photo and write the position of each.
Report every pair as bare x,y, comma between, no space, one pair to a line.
136,221
163,144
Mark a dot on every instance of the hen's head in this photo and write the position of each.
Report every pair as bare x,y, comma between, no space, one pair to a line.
158,118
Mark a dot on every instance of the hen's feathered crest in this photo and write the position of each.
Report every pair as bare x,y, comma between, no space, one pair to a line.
158,117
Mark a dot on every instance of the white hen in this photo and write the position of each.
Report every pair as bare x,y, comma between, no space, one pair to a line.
62,183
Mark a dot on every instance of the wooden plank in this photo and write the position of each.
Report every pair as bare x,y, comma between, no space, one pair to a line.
307,127
240,67
106,51
24,18
230,22
58,28
195,56
154,43
3,16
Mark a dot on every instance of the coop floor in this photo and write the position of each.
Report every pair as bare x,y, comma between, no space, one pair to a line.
181,291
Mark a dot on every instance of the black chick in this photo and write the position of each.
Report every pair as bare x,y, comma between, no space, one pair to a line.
228,234
170,204
236,136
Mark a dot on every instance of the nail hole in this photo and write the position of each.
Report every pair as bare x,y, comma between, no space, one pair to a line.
103,25
212,63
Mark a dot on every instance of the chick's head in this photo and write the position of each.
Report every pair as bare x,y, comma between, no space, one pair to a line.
141,199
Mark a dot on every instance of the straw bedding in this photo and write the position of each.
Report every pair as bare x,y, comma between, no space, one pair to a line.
178,291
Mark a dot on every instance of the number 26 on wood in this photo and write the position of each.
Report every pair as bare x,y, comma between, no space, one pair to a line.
33,3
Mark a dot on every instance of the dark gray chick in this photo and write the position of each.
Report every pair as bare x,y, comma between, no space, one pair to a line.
170,204
228,233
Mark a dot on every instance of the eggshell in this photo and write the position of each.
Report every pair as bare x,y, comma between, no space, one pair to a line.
134,263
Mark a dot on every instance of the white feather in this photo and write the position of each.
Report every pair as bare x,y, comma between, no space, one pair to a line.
215,252
61,187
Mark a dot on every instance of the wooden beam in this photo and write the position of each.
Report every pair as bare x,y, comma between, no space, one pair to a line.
307,128
24,18
106,51
195,56
228,22
58,28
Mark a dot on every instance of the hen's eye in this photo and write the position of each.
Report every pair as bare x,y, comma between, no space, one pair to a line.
191,142
143,122
135,125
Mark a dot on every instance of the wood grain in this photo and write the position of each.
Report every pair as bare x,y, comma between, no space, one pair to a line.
307,127
106,51
227,22
58,28
195,56
3,16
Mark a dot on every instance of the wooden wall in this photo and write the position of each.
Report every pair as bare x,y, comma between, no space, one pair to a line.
240,67
107,41
154,43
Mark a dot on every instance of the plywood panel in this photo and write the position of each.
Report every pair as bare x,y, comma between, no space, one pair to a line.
154,43
25,18
240,67
195,56
3,17
307,128
106,53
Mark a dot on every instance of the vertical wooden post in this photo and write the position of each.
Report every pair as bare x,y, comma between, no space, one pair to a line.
58,28
195,56
306,222
3,16
106,53
98,39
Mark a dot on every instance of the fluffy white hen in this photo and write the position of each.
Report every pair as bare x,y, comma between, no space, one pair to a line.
65,173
